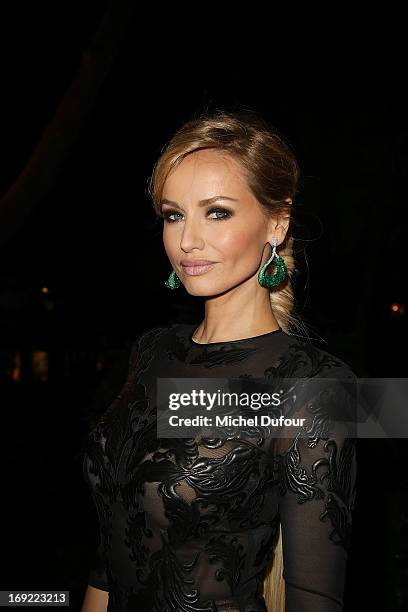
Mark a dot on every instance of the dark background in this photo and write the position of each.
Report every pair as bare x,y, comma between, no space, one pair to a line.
91,93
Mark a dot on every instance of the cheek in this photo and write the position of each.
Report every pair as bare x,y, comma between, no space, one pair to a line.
169,241
239,244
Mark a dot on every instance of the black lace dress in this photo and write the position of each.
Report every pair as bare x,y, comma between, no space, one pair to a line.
190,526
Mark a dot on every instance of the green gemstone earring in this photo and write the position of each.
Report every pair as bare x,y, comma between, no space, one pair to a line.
268,280
173,282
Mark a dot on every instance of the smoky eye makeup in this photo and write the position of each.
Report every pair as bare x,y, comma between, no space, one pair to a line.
221,213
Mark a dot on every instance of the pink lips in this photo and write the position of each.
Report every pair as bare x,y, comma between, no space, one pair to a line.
195,262
196,267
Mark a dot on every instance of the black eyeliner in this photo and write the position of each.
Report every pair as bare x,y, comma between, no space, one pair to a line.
168,213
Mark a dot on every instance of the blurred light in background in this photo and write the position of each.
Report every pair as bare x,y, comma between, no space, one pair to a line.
39,365
398,308
16,370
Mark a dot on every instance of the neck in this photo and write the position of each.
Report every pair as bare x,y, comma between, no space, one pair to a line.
242,312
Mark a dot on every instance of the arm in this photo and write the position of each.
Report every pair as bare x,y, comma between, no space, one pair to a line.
95,600
317,493
97,577
97,593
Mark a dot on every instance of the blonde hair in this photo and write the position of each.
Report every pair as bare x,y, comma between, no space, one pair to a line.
272,174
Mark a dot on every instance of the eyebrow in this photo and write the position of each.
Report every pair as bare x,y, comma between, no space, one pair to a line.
201,202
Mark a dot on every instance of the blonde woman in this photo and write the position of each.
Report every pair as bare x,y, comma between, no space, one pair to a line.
242,523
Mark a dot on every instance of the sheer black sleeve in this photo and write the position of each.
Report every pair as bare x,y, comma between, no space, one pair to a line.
97,576
317,468
97,573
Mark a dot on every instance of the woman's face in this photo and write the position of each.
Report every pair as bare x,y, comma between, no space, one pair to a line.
214,246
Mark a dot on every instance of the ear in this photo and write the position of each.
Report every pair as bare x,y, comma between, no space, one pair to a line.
278,225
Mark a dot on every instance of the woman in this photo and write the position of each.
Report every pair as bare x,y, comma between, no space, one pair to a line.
208,524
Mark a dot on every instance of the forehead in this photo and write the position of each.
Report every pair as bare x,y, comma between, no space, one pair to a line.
203,172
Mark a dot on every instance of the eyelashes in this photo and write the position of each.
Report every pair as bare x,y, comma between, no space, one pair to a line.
226,214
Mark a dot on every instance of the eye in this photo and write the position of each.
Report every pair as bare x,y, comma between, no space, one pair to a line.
168,214
226,213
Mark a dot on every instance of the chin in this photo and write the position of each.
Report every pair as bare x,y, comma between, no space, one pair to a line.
200,292
204,289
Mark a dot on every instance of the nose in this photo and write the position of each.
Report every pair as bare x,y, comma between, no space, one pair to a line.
191,237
